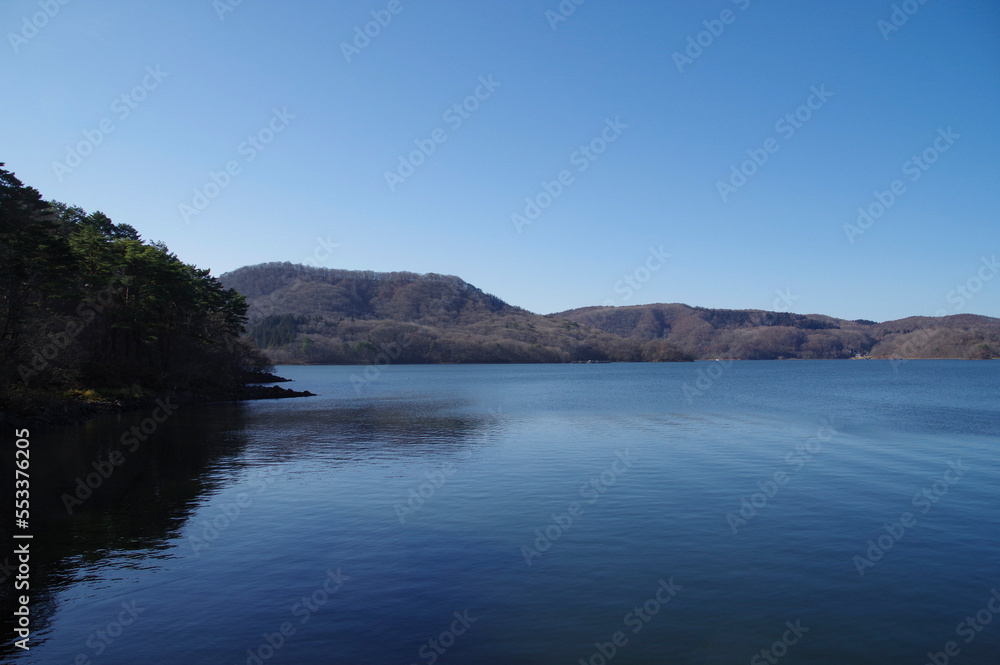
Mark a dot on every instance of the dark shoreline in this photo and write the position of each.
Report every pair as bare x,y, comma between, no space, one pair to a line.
69,412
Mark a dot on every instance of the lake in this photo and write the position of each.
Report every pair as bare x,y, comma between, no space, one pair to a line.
712,512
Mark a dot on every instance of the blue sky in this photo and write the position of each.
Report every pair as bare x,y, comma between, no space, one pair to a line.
309,129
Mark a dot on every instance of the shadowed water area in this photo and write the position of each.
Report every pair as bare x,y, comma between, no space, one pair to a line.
651,513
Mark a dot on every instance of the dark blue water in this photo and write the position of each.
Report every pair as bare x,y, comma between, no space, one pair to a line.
824,511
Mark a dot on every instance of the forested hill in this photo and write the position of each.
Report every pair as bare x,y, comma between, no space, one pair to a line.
399,296
756,334
315,315
91,313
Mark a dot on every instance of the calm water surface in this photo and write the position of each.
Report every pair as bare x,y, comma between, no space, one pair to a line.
692,513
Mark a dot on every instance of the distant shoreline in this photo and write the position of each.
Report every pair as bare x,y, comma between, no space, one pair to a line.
613,362
69,412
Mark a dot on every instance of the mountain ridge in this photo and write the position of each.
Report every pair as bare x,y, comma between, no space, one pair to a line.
301,314
762,334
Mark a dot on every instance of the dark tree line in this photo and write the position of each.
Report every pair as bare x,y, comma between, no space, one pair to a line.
86,304
276,330
722,319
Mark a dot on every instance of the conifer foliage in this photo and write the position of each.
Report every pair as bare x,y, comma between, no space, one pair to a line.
87,305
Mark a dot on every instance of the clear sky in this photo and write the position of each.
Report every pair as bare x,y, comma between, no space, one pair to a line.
130,108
